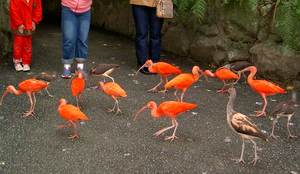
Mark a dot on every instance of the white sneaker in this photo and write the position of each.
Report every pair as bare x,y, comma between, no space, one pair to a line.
26,67
18,67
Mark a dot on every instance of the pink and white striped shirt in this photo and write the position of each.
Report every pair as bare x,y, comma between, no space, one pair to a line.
77,6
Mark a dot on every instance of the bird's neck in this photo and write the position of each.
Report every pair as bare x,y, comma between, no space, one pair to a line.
154,112
196,75
230,103
251,76
13,90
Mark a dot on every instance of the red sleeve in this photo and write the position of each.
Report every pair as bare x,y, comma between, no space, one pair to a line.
14,12
37,11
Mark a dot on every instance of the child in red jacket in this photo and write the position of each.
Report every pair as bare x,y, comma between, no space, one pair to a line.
24,16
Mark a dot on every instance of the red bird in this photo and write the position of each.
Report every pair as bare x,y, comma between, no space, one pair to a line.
72,115
184,81
161,68
115,91
170,109
262,87
222,74
77,86
30,87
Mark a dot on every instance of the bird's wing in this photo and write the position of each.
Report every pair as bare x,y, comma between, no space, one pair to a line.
77,86
32,85
265,86
181,81
242,124
165,68
114,89
226,74
285,107
173,108
70,112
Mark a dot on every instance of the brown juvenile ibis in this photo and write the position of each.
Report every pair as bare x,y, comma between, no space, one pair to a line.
103,70
284,109
243,126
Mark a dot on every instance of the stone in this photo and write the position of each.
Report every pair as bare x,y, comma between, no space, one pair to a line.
176,40
220,57
273,63
238,55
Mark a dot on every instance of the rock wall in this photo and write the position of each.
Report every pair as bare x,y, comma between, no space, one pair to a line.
5,35
226,35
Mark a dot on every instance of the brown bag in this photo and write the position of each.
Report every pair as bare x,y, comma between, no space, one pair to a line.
164,9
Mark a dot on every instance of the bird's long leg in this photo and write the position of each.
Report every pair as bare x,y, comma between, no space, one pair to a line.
175,93
34,102
77,101
118,108
241,159
46,89
29,112
165,81
154,89
182,94
106,75
62,126
263,111
115,104
75,135
165,129
223,88
273,127
255,152
288,127
174,132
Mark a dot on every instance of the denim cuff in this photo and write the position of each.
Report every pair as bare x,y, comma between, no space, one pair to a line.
80,60
67,61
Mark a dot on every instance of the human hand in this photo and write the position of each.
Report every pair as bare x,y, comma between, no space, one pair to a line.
21,29
33,26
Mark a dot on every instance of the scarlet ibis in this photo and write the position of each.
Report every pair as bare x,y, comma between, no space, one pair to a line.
243,126
170,109
284,109
77,86
184,81
222,74
30,87
47,77
104,70
262,87
163,69
115,91
72,115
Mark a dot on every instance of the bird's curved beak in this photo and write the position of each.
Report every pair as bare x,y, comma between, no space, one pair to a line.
4,94
204,74
140,111
140,69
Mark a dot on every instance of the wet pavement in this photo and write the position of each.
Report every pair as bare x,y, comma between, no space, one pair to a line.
117,144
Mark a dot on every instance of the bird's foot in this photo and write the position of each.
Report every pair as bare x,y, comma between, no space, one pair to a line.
254,160
240,160
118,111
28,114
273,136
260,113
50,95
73,137
292,136
111,110
163,91
171,138
158,133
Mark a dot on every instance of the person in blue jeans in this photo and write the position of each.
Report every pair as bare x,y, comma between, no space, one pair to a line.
148,32
75,24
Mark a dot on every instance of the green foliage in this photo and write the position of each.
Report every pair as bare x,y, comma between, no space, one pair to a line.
190,11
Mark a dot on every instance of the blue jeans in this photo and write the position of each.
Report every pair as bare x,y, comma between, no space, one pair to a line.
75,29
148,33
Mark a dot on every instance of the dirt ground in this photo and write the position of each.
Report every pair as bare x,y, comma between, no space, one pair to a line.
117,144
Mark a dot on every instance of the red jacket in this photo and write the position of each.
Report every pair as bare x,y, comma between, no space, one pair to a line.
25,13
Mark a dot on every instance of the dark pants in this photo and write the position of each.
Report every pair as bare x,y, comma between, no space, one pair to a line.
148,33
